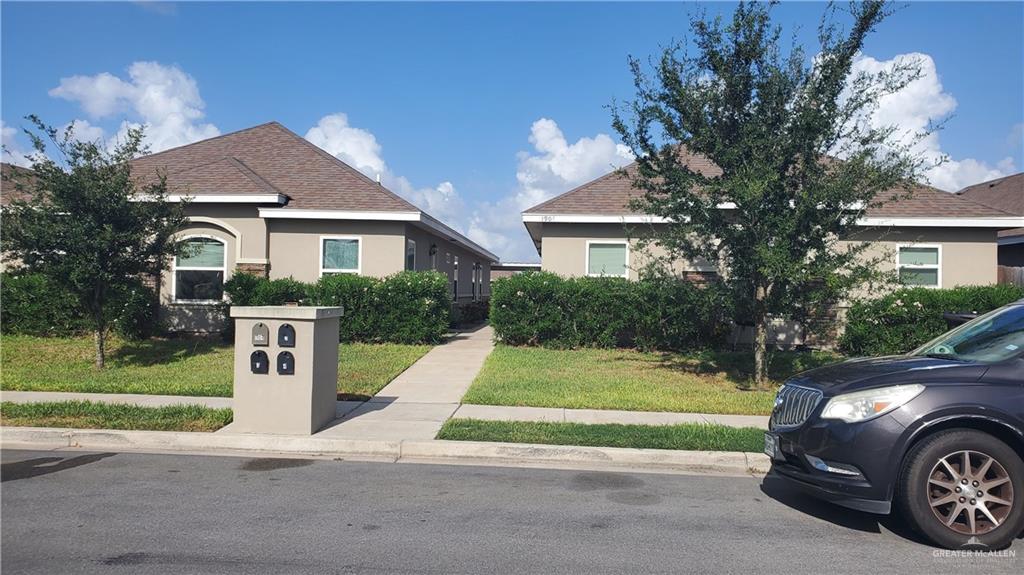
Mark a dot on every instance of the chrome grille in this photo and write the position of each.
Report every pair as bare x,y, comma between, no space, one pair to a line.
793,405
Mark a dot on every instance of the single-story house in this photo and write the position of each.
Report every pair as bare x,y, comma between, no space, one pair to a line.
1006,194
507,269
266,201
933,238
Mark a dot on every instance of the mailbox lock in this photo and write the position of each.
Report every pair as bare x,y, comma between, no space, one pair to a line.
259,362
285,363
260,334
286,335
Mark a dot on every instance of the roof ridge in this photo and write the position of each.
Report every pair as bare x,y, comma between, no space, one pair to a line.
614,172
204,140
330,156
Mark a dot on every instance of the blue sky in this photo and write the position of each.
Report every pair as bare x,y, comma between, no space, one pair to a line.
473,110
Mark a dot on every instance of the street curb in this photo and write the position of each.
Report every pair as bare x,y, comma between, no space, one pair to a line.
432,451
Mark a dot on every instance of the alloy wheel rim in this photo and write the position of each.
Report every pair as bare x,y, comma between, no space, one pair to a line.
970,492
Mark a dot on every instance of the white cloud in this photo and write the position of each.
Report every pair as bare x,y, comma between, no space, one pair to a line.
359,148
553,167
13,153
164,99
912,109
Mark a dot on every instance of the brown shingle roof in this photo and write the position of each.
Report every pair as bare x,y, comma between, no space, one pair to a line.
1006,194
12,178
611,194
270,158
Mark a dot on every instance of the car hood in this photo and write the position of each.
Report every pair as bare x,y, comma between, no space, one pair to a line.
867,372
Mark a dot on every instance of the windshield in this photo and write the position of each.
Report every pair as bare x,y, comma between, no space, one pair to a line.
993,337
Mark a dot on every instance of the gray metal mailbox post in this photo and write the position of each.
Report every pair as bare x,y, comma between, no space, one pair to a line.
286,368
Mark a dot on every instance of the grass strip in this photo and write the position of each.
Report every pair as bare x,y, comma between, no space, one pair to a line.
687,436
89,415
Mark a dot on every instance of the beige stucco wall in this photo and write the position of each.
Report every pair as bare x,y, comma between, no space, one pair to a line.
241,220
295,246
968,255
445,264
564,248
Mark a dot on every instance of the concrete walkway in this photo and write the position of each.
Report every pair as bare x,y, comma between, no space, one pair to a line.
416,404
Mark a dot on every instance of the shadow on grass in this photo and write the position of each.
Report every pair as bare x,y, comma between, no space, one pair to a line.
738,366
160,351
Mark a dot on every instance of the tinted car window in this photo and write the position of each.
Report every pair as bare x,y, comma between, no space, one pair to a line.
995,336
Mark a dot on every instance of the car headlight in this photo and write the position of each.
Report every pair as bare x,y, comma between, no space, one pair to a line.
870,403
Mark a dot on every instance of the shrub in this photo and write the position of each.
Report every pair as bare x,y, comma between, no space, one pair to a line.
657,312
907,318
408,307
413,307
138,313
467,313
33,305
356,295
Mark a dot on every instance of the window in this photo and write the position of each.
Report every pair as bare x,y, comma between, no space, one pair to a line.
199,270
920,265
340,255
455,282
476,288
607,258
410,255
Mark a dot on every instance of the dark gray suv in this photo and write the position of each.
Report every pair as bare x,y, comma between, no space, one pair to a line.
939,431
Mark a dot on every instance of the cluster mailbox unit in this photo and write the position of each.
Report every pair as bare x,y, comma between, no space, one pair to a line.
286,368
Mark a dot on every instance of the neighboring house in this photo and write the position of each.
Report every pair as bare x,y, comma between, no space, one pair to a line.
933,238
265,201
506,269
1006,194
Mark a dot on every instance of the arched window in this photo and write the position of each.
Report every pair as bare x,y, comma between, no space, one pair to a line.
199,270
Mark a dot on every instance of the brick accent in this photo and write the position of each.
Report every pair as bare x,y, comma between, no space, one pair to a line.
261,270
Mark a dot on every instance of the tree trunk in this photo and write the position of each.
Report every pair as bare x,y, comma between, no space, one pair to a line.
101,351
760,337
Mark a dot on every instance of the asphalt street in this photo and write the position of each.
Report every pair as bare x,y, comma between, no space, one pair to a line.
75,512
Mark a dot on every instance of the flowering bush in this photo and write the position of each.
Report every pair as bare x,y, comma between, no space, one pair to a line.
905,319
657,312
407,307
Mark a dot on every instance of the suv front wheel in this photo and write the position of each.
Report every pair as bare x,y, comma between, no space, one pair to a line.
964,489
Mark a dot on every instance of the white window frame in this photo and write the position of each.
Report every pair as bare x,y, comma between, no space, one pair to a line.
586,259
937,267
359,264
175,268
410,243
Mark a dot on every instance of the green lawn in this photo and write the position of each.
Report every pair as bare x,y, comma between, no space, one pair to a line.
691,436
705,382
88,415
178,366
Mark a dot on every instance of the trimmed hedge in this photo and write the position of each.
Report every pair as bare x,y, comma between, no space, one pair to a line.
660,312
407,307
908,318
35,305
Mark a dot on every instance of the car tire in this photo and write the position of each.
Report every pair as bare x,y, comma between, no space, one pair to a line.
931,491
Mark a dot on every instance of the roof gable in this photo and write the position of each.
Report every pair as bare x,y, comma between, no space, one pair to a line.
270,156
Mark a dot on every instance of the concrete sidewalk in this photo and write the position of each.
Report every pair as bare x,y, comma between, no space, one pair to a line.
595,416
115,398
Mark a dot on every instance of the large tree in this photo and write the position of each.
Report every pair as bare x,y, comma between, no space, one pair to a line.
799,154
86,223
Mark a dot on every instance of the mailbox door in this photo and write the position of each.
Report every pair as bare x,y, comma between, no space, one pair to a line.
286,335
259,362
260,334
285,363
